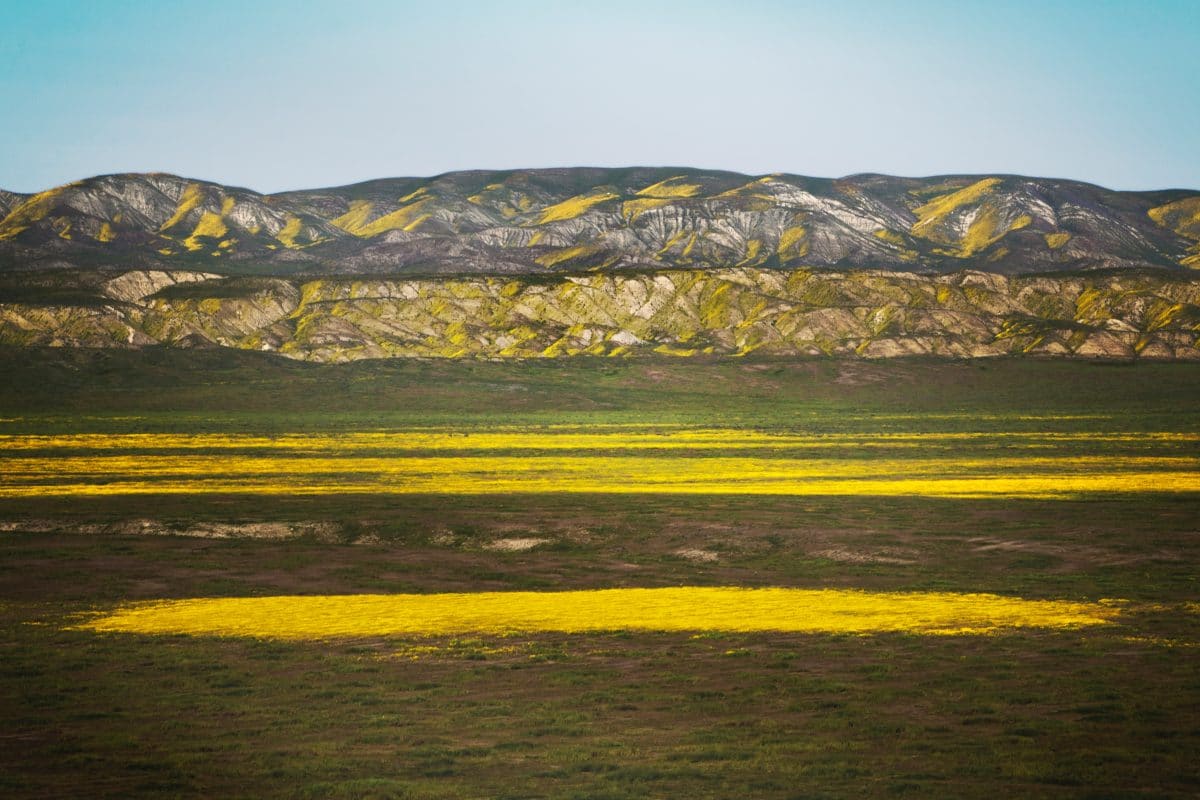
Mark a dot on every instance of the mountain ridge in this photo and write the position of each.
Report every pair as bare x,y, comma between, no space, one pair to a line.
580,219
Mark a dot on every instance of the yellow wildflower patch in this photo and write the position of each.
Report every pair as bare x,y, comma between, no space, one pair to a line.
355,219
601,459
29,211
566,254
573,207
267,474
290,230
405,218
940,207
891,237
794,237
1181,216
632,209
1057,240
671,188
752,250
211,225
678,609
192,197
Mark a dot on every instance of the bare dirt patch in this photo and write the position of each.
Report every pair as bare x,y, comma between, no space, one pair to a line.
1075,555
445,537
887,556
516,544
278,531
695,554
571,531
855,375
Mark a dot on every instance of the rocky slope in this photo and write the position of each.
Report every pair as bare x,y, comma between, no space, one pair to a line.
558,221
730,311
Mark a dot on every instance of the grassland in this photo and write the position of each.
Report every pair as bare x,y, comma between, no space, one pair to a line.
1073,710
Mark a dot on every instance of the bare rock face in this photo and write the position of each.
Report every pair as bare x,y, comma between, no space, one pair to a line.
725,312
559,221
133,287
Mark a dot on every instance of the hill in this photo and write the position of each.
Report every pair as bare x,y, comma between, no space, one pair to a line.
722,312
553,221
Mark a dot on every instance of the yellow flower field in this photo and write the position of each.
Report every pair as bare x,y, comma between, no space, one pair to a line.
670,461
696,609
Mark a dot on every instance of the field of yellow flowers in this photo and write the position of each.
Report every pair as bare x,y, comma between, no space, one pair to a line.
615,580
697,609
675,460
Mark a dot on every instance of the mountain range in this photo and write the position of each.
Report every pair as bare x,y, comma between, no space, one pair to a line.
607,262
555,221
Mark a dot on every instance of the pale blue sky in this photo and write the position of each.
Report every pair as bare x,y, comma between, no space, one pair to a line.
293,94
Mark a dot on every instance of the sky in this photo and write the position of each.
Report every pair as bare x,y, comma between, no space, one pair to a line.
286,95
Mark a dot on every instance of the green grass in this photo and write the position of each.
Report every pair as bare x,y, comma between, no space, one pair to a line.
623,716
1109,712
202,390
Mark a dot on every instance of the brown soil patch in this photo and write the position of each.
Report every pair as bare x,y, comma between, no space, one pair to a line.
863,556
695,554
515,545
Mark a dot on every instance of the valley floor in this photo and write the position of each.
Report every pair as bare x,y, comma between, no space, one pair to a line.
128,477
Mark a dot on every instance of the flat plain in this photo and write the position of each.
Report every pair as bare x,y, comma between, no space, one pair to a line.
324,521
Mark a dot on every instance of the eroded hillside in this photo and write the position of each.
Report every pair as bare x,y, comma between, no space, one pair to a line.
555,221
732,312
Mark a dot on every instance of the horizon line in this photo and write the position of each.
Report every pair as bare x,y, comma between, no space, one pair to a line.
586,167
